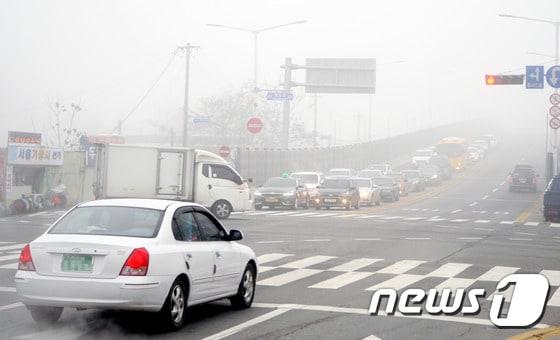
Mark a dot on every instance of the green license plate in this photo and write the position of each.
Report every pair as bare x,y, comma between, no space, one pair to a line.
77,263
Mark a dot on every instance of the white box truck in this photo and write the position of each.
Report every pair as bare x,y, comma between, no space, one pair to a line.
173,173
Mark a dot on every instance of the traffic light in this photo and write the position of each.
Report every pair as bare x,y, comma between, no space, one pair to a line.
498,79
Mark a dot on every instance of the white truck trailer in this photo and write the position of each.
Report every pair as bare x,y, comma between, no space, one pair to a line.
173,173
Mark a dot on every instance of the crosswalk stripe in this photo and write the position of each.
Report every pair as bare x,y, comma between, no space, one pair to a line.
482,221
341,280
414,218
256,213
400,267
392,217
454,284
288,277
497,273
284,213
398,282
555,299
325,215
305,214
347,215
437,219
370,216
507,222
354,265
9,266
8,289
264,269
12,247
449,269
553,277
459,220
308,261
271,257
532,224
555,225
9,257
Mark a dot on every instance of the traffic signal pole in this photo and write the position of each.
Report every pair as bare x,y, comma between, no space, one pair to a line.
286,103
188,48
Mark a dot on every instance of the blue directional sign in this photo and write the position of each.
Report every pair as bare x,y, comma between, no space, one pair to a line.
534,77
553,76
279,95
201,120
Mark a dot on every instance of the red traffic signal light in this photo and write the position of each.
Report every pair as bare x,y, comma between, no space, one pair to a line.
514,79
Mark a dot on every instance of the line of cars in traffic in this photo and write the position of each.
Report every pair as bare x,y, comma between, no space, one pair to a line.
349,189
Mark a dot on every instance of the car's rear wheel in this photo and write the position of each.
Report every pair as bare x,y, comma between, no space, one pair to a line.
378,202
173,311
222,209
258,207
397,197
45,315
246,290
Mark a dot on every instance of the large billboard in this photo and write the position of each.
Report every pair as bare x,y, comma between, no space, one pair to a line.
340,75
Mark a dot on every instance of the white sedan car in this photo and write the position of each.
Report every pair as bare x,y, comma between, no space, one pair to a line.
135,254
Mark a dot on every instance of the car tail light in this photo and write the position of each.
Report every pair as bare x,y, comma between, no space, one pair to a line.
509,179
137,263
25,260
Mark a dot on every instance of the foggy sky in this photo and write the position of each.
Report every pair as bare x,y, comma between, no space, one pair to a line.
104,55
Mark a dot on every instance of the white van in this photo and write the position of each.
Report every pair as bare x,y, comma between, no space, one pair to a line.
172,173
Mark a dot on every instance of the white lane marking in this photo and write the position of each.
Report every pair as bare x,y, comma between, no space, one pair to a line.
271,257
469,238
267,242
454,284
392,217
9,266
372,337
288,277
507,222
456,211
502,183
256,213
449,269
237,212
236,329
528,234
346,215
400,267
437,216
473,204
459,220
12,247
497,273
532,224
413,209
283,213
370,216
484,229
437,219
483,211
264,269
9,257
414,218
47,224
495,189
341,280
555,225
318,240
23,221
398,282
555,299
485,197
447,226
520,239
417,238
324,215
11,306
354,265
482,221
308,261
8,289
305,214
367,239
553,276
360,311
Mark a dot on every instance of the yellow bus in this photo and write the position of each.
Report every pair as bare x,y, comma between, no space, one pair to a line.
454,148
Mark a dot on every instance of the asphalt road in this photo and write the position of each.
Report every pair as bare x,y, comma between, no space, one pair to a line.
319,268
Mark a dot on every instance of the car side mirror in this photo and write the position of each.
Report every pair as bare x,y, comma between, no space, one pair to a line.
318,187
250,180
235,235
300,187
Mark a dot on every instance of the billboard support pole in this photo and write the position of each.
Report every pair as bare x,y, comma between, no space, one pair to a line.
286,104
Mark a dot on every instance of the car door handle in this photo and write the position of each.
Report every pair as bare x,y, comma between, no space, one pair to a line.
218,255
188,256
209,186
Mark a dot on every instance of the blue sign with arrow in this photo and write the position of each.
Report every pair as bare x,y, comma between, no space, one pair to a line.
553,76
534,77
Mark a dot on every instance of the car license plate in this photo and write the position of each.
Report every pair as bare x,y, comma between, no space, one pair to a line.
271,200
330,200
77,263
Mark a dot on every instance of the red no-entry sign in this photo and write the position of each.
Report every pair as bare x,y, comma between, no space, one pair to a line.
554,123
254,125
224,151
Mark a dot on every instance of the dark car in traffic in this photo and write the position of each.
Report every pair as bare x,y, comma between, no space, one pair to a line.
414,178
551,200
431,174
390,189
523,178
282,192
442,162
338,192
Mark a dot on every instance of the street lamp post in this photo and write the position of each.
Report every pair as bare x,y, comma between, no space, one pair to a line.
556,25
255,33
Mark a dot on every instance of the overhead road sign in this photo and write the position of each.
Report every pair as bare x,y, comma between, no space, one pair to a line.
553,76
201,120
500,79
534,77
340,75
280,95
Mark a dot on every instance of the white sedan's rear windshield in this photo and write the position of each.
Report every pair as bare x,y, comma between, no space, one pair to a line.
110,221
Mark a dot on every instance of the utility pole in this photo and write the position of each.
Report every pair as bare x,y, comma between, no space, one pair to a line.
370,118
315,120
286,103
187,48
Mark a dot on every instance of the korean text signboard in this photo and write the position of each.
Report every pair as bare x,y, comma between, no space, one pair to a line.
35,155
23,138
